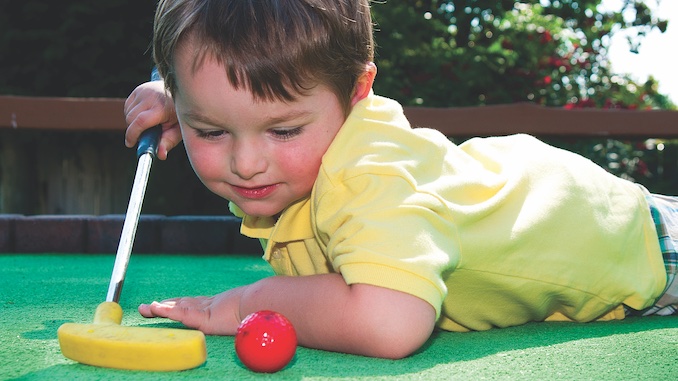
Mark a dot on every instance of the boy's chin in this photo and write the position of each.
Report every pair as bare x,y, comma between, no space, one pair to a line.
259,212
265,208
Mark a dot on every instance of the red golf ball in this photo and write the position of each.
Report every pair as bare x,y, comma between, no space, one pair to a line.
265,341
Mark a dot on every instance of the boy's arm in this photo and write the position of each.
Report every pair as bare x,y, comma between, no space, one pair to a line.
327,313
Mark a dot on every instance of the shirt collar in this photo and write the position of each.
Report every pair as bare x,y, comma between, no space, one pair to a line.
294,223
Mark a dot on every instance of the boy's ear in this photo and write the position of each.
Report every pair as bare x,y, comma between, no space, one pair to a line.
364,83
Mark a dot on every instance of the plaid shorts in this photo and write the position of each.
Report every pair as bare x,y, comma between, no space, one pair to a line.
664,210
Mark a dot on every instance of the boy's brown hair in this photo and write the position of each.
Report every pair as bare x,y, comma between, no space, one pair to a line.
274,48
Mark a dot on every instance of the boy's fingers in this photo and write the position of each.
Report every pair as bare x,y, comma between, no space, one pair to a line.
144,310
171,137
147,106
188,311
138,119
156,309
193,312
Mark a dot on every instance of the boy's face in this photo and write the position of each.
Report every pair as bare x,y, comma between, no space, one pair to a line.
261,155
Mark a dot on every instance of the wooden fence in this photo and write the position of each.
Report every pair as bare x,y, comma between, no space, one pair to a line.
105,114
66,155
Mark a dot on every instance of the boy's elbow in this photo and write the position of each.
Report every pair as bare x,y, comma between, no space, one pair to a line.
395,347
396,332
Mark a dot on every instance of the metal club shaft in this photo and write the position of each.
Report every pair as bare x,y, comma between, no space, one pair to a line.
146,151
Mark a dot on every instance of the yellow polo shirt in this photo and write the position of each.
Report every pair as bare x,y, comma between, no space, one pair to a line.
494,232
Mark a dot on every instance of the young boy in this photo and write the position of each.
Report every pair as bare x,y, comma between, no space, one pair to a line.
379,233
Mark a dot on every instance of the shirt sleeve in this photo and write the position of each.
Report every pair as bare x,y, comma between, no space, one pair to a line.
380,230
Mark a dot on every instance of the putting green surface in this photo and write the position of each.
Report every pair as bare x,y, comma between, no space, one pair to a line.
38,293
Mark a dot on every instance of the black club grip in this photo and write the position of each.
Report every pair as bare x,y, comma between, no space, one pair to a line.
148,141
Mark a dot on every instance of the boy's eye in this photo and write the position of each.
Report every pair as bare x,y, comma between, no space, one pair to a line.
286,133
209,134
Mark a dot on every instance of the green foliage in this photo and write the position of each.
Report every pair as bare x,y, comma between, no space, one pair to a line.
651,162
430,52
74,48
475,52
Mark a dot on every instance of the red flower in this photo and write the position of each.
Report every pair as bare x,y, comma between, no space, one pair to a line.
545,37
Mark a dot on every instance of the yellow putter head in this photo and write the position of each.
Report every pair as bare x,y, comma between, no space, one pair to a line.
106,343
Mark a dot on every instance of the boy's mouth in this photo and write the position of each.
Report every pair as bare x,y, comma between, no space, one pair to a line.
255,192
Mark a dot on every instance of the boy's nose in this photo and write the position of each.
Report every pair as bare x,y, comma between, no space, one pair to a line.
247,160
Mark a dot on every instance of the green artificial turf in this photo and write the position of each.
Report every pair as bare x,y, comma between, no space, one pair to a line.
38,293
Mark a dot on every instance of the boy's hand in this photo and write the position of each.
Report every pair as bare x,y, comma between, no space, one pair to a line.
216,315
147,106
